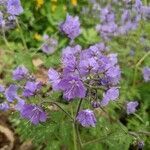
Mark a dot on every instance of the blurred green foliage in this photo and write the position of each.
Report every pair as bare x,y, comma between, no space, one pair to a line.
58,132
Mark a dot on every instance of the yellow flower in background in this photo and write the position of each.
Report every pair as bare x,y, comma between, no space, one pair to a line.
37,37
54,6
74,2
39,3
64,8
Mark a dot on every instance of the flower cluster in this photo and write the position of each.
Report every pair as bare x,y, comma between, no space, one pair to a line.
8,12
91,74
85,70
130,18
18,96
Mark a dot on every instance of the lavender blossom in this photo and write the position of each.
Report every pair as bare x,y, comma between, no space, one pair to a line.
146,12
2,89
4,106
14,7
74,50
54,78
111,94
20,73
131,107
31,88
50,45
71,27
1,18
33,113
125,16
72,87
88,66
86,118
11,93
19,106
146,73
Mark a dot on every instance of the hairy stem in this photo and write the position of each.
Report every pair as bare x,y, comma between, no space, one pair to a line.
21,33
4,38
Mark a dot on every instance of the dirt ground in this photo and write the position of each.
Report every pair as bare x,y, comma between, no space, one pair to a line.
9,140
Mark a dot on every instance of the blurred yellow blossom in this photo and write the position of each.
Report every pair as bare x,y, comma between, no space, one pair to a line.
37,37
54,6
39,3
74,2
64,7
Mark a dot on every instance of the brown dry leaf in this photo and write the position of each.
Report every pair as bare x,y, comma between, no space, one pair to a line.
41,75
37,62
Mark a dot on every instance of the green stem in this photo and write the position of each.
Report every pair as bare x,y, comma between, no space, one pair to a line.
97,140
4,38
55,103
137,65
78,108
74,132
138,117
40,47
21,33
78,136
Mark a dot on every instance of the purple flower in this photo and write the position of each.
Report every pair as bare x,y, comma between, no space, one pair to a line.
11,93
4,106
33,113
14,7
2,89
72,87
131,107
1,18
113,75
104,63
20,73
138,5
146,12
70,63
111,94
86,118
74,50
113,59
95,50
19,106
3,2
88,66
107,15
31,88
125,16
146,73
54,78
50,45
71,27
